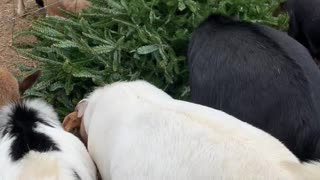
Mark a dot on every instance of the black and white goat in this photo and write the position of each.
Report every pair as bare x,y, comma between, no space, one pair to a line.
34,146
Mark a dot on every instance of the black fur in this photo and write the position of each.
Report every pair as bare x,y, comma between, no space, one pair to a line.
40,3
261,76
304,23
76,175
21,126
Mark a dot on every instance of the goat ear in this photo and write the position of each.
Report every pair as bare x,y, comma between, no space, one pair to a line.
71,122
28,81
81,107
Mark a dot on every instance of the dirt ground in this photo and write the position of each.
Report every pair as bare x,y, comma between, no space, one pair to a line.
8,56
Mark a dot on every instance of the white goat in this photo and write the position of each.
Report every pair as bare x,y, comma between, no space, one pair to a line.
34,146
136,131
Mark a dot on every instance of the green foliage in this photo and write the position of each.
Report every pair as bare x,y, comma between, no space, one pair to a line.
125,40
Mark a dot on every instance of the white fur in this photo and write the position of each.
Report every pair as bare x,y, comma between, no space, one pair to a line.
137,132
54,165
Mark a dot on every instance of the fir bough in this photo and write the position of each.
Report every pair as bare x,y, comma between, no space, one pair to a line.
125,40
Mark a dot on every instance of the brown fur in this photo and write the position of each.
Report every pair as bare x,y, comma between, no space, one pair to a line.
73,121
75,6
11,89
54,7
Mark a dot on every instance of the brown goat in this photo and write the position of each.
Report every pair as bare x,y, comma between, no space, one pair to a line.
75,6
54,7
11,89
